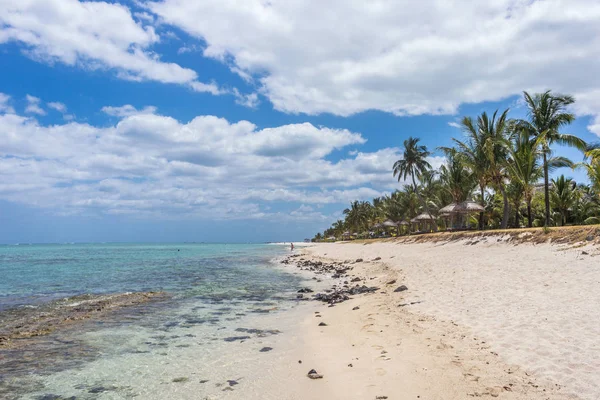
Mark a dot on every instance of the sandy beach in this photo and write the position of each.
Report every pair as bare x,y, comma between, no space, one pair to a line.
480,318
447,319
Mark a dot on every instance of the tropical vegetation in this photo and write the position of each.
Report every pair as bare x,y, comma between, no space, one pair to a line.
501,169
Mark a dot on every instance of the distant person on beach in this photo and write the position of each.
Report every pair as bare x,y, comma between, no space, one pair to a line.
291,246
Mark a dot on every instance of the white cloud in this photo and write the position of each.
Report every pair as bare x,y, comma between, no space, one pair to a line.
189,49
588,103
33,105
403,57
148,164
5,107
246,100
60,107
454,124
127,110
92,35
144,16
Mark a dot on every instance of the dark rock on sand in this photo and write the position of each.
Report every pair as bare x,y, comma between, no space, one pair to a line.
359,260
377,259
235,338
356,308
305,290
391,282
357,279
400,289
322,324
259,332
265,349
232,382
312,374
181,379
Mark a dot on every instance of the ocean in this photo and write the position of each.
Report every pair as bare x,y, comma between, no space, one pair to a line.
187,345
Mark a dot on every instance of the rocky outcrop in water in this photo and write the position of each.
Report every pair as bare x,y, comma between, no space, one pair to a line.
19,324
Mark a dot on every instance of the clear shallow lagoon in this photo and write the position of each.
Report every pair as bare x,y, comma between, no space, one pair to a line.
218,292
33,273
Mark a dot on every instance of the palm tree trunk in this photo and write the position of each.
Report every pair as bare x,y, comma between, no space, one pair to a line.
504,223
529,217
435,227
546,190
482,205
517,224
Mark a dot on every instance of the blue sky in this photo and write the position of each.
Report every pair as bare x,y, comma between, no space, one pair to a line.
213,121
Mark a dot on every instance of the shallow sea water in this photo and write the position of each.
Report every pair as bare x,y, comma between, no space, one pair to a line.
228,302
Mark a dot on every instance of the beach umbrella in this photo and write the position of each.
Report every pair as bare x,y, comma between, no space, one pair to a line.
389,224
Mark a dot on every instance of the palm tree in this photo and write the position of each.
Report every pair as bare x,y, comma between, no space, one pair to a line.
358,215
563,196
524,165
593,169
485,152
414,163
547,114
456,179
338,228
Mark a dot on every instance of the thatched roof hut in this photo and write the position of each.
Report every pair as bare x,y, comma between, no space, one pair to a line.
424,217
469,207
464,207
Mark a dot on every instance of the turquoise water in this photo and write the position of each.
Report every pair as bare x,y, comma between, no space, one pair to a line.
226,302
34,273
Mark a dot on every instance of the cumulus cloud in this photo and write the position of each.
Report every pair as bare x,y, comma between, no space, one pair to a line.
92,35
589,104
127,110
246,100
406,58
60,107
5,106
153,165
33,105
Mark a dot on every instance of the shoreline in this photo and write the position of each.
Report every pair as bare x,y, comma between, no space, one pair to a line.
390,342
474,337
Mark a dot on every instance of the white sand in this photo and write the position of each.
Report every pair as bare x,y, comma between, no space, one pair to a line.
536,306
